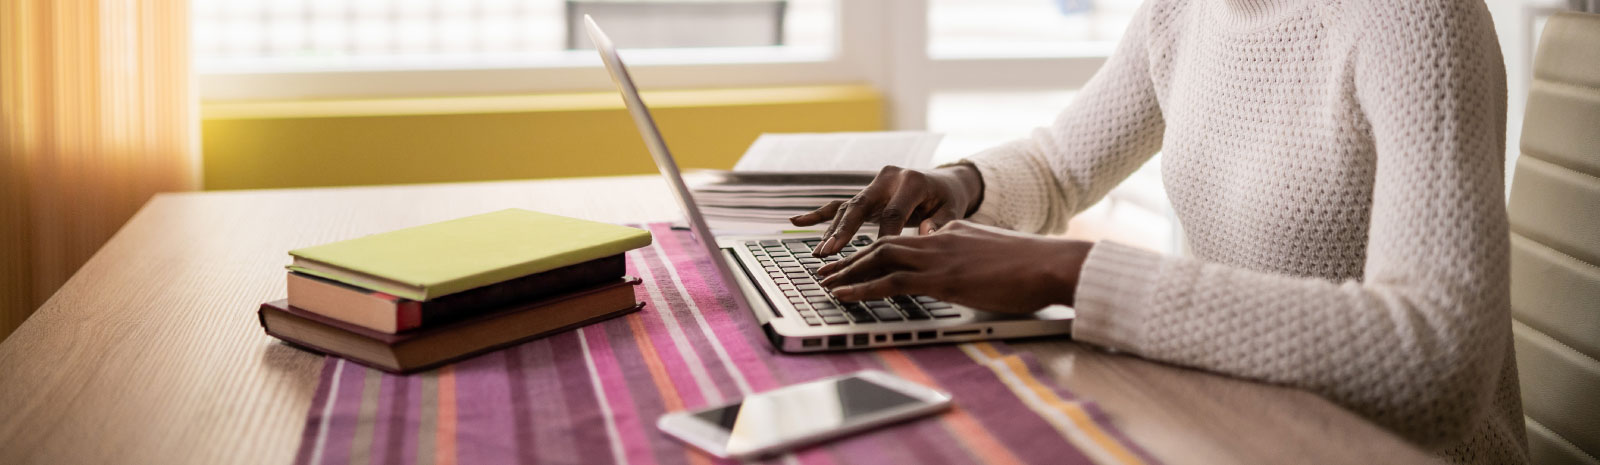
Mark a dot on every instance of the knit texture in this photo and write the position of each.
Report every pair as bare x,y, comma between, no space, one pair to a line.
1338,170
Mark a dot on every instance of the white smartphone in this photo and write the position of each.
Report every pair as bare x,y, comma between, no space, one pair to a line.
784,418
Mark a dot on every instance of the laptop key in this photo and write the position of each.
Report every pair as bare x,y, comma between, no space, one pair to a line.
886,313
769,242
946,313
824,305
861,241
813,293
791,293
859,316
813,321
817,299
936,306
917,314
834,320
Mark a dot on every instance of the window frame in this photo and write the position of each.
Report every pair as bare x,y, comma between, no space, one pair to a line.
883,43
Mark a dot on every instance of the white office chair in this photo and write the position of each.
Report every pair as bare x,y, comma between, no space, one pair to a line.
1555,245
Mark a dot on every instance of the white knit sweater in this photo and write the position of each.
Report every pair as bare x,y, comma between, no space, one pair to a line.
1338,170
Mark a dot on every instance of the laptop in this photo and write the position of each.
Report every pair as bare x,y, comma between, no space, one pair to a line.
776,276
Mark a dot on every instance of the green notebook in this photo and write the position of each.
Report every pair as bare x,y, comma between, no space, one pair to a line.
429,261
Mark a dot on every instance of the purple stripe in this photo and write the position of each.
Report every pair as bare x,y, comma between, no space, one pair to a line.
699,278
671,360
981,393
383,422
585,420
346,412
678,310
391,425
405,442
319,401
484,425
647,399
521,432
553,437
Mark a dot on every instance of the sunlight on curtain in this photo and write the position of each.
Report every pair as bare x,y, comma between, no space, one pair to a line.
97,113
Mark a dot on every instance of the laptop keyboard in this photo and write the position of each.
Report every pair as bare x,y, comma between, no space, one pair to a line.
789,263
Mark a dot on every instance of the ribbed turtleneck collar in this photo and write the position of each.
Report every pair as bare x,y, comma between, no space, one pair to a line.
1255,7
1250,14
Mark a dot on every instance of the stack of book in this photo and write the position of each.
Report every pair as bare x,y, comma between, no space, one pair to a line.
420,297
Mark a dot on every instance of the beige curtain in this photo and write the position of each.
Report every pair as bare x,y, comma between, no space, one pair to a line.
98,114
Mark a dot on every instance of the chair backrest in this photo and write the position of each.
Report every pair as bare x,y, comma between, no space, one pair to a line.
1555,244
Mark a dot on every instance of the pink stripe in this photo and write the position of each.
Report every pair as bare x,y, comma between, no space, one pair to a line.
747,359
676,308
704,291
677,368
636,446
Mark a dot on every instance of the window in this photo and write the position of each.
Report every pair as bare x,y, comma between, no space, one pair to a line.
326,35
1025,27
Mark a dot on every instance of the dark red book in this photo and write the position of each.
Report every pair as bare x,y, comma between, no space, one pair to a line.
391,314
434,346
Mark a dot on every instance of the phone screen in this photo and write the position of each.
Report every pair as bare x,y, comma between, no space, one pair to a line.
803,410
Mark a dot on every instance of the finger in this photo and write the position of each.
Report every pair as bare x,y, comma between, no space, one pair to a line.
833,225
853,212
938,221
875,263
894,214
845,227
817,216
834,267
889,285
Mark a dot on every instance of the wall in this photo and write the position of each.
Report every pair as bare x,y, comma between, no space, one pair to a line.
250,145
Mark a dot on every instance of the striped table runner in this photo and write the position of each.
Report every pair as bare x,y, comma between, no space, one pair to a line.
592,396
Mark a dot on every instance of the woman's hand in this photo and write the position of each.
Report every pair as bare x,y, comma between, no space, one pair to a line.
964,263
896,198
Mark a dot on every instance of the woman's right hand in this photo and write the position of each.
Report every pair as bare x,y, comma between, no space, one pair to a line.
898,197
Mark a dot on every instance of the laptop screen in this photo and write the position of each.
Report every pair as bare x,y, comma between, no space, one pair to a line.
663,158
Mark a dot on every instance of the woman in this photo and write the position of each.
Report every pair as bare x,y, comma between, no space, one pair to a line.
1337,167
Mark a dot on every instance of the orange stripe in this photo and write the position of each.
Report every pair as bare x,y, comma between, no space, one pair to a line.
966,429
1074,411
658,375
444,449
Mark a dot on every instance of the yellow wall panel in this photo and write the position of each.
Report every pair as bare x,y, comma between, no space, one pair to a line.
396,141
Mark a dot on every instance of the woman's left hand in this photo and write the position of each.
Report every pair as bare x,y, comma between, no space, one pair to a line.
964,263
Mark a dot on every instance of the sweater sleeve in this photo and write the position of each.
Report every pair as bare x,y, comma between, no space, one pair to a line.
1419,342
1114,125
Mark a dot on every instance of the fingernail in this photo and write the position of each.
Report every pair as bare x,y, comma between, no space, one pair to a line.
844,293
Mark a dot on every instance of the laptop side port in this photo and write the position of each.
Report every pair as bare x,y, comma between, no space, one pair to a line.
860,340
926,335
899,337
836,341
811,342
964,332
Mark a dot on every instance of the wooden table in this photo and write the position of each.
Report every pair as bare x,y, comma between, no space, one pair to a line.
151,353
